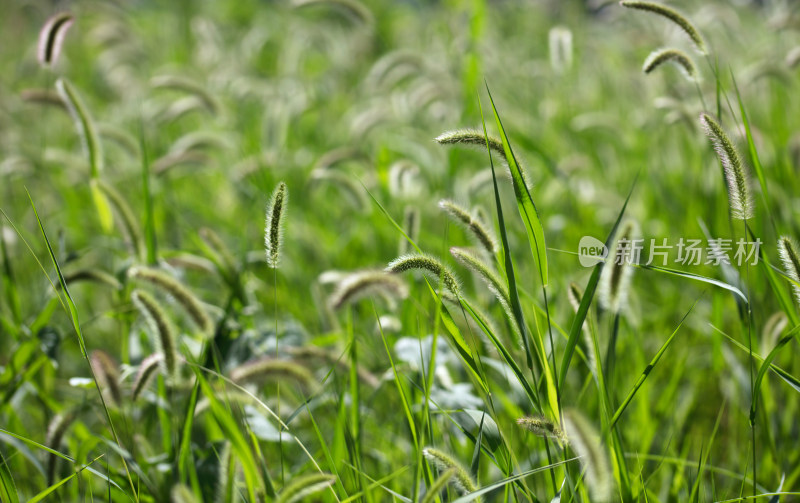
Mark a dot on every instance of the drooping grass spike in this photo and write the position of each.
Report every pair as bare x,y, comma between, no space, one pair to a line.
475,227
585,441
147,370
161,326
671,14
169,285
273,233
360,284
462,481
736,176
299,488
670,55
428,265
617,273
787,251
51,38
87,130
543,427
107,374
270,367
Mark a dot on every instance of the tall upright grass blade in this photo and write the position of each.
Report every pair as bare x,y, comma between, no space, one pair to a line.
640,381
765,366
8,490
73,311
525,204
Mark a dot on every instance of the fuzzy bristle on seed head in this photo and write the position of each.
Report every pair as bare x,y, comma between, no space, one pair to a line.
107,374
585,442
360,284
462,481
273,232
268,367
470,137
55,433
51,38
787,250
670,55
673,15
300,488
475,227
161,326
428,265
617,272
182,295
147,369
739,194
543,427
560,44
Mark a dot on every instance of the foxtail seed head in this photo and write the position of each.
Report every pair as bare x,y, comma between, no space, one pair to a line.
791,262
543,427
470,137
147,369
161,326
360,284
560,44
437,486
475,227
299,488
584,440
55,433
269,367
741,202
107,375
673,15
461,480
188,301
273,233
617,272
51,38
428,265
669,55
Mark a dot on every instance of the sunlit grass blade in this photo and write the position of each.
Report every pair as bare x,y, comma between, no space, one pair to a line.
765,366
640,381
73,311
8,490
525,204
49,490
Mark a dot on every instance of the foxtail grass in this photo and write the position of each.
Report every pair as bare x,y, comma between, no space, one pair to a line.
543,427
475,227
272,368
56,430
42,97
51,38
147,370
411,226
125,214
360,284
162,328
428,265
273,233
438,485
673,15
787,250
85,125
182,295
181,493
670,55
618,270
94,276
106,372
471,138
739,195
584,440
461,480
559,41
300,488
186,85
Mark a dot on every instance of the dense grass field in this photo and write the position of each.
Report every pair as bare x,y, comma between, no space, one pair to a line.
338,250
